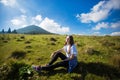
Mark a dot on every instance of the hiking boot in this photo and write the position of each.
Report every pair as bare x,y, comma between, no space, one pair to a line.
36,68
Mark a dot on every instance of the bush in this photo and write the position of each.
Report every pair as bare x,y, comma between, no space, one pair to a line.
27,42
19,40
4,71
5,41
22,37
29,51
2,38
53,39
19,71
25,72
15,71
28,47
18,54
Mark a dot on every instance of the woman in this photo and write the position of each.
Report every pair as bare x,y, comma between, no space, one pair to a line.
69,61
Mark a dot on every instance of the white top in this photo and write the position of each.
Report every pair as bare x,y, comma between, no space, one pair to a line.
73,50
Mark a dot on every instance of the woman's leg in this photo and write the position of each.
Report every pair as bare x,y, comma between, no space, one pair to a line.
59,64
56,56
50,66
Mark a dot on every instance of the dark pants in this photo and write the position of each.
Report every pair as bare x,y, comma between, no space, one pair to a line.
62,63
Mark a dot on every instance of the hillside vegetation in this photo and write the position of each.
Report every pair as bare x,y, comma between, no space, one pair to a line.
98,56
32,29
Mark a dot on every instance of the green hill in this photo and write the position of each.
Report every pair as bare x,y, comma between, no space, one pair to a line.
32,29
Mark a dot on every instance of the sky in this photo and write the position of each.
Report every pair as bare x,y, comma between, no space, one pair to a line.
83,17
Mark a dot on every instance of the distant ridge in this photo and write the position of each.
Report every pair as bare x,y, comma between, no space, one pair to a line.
32,29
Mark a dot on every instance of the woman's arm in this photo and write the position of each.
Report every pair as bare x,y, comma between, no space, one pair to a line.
73,52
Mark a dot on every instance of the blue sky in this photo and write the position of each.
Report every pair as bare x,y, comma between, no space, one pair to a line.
83,17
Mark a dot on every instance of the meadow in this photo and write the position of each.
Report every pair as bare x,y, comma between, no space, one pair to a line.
98,56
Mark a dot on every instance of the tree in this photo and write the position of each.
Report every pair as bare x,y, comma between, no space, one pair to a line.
3,31
9,30
14,31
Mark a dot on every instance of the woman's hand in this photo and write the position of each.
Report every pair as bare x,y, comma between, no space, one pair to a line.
70,58
53,54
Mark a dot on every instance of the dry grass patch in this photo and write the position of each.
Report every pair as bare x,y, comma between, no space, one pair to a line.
115,60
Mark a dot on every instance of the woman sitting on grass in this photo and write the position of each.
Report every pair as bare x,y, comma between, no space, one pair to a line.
69,61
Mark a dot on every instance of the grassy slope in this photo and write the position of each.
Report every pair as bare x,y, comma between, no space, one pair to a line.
93,52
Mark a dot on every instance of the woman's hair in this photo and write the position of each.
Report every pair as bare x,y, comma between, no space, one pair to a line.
71,40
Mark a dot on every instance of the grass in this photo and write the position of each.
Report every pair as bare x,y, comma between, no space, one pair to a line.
98,56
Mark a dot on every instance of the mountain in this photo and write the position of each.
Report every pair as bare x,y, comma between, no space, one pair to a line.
32,29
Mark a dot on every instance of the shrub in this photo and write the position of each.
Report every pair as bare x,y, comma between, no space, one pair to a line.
22,37
4,71
19,40
53,39
2,38
29,47
5,41
29,51
27,42
21,71
24,72
18,54
15,71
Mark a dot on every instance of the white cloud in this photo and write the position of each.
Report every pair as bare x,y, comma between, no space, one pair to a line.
99,12
52,26
107,25
19,21
96,33
36,20
46,23
80,34
101,25
10,3
115,34
38,17
23,10
23,20
13,4
115,25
